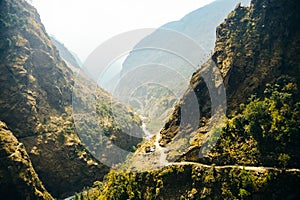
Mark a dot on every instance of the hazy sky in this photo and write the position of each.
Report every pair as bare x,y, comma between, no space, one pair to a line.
83,25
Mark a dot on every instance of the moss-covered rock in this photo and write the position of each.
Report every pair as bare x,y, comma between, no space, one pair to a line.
18,179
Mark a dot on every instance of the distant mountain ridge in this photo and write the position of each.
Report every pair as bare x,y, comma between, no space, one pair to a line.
199,25
255,47
163,49
70,58
252,152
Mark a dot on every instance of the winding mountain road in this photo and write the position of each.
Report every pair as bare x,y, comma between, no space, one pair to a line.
248,168
162,161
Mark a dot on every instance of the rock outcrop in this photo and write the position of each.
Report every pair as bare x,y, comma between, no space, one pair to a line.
167,50
36,90
36,104
255,45
257,55
256,148
18,178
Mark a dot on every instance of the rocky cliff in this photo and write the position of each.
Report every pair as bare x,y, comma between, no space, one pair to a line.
36,91
253,153
164,51
31,63
255,46
15,160
36,105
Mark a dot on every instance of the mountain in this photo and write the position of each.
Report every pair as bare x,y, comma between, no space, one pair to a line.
39,95
36,91
250,55
14,160
119,129
167,50
242,147
69,57
198,25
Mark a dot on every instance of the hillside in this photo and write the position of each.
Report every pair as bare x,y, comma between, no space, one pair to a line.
108,128
250,56
36,92
69,57
167,49
36,100
14,159
252,152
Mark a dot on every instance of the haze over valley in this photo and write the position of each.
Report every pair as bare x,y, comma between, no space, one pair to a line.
149,100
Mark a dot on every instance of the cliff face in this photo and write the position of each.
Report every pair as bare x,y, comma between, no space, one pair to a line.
31,64
163,50
257,54
254,46
18,178
36,105
36,89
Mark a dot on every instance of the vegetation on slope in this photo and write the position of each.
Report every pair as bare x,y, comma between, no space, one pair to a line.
194,181
18,179
255,45
36,99
257,53
265,132
162,49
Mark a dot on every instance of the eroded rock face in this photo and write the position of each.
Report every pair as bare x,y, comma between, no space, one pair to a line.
35,81
36,103
35,91
18,178
255,45
196,28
